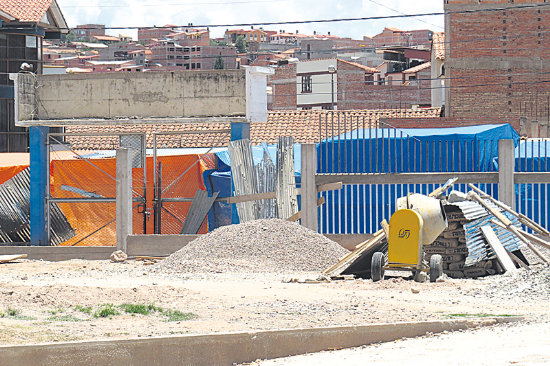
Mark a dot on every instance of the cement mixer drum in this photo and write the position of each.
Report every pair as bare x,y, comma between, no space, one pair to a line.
431,211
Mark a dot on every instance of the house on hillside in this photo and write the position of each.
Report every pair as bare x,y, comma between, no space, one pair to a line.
24,24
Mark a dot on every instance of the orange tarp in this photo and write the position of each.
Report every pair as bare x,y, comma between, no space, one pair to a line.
11,164
96,176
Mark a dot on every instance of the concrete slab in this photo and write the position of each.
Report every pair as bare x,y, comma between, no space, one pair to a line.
59,253
226,349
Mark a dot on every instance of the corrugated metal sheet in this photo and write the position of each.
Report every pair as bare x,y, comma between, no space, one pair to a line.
265,172
287,200
200,206
478,248
15,212
473,210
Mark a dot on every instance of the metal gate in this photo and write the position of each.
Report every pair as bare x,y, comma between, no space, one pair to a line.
82,184
180,202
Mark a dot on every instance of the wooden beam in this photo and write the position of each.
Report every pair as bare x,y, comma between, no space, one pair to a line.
498,248
522,218
507,223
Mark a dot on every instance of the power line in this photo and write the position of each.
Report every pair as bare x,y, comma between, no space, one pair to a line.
399,12
194,4
334,20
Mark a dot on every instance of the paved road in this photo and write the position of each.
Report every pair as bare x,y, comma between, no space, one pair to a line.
518,344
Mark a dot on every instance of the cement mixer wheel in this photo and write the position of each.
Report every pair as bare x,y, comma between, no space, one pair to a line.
377,267
436,268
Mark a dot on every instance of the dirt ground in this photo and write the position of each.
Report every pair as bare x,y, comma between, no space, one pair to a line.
56,301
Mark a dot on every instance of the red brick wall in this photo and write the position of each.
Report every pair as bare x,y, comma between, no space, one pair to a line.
284,88
495,76
355,93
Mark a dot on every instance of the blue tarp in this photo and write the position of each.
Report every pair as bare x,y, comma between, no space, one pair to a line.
359,209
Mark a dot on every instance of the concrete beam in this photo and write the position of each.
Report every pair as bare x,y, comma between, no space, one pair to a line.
156,245
309,188
61,253
226,349
506,163
406,178
124,210
126,121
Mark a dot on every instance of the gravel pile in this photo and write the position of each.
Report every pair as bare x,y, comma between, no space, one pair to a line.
256,246
521,285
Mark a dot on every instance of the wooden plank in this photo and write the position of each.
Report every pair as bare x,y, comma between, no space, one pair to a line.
507,223
144,257
386,228
348,259
9,258
497,247
298,215
443,188
516,259
270,195
407,178
522,218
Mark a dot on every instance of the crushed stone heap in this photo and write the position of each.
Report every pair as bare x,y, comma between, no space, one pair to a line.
256,246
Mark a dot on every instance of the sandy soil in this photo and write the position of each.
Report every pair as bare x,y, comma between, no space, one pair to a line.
38,301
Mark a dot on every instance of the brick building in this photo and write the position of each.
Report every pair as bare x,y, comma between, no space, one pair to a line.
495,60
151,35
87,32
173,56
397,37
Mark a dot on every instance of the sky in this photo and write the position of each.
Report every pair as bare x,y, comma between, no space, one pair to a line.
139,13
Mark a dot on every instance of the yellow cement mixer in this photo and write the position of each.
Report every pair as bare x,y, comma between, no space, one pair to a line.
419,220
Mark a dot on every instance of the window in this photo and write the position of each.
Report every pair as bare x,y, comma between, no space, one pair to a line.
179,56
186,57
179,64
186,66
193,49
193,66
186,49
171,57
198,49
306,84
369,79
171,49
198,65
412,77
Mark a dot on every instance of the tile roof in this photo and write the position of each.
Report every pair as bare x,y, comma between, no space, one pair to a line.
26,10
304,125
366,68
418,68
438,45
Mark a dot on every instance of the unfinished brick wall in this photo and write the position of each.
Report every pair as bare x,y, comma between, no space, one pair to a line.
497,61
354,92
284,88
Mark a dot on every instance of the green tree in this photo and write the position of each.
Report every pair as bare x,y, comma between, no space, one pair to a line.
219,63
240,44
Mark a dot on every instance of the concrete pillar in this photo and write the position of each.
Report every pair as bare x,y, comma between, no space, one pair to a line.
309,188
39,178
523,128
506,164
534,129
123,197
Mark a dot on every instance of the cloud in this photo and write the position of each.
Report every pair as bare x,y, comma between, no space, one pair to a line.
133,13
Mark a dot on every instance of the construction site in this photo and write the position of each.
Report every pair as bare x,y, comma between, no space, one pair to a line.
177,238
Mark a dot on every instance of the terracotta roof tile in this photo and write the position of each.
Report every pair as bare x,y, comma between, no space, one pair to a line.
366,68
25,10
418,68
306,126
